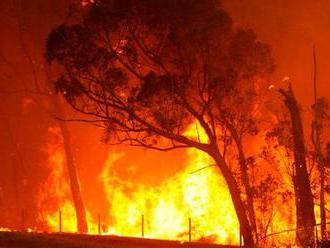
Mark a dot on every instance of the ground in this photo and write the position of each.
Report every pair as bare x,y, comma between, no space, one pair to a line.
42,240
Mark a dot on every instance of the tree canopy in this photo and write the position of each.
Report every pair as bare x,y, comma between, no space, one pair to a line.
149,68
145,70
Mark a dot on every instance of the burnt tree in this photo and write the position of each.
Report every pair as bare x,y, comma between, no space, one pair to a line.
305,216
319,112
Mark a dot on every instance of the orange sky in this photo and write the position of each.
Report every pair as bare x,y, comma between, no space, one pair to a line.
291,27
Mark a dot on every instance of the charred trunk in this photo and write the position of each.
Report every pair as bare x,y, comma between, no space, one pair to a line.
82,226
305,216
248,191
322,204
245,180
318,151
234,191
321,169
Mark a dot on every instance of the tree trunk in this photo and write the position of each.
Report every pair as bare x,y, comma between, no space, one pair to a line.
245,226
305,216
245,179
318,151
248,189
322,204
321,169
82,225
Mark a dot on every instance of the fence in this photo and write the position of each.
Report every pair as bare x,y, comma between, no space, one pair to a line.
61,219
274,238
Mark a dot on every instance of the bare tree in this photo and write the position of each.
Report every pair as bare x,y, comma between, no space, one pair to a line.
303,194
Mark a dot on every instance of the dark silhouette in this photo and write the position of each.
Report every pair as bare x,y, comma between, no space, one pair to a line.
305,216
145,70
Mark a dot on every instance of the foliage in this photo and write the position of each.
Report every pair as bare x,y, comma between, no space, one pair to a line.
145,70
151,68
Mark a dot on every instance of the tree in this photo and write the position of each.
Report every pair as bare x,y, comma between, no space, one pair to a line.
238,116
79,206
146,70
320,122
319,109
303,194
38,91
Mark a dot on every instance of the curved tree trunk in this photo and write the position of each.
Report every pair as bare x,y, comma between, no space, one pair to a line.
82,225
245,226
304,199
245,180
248,190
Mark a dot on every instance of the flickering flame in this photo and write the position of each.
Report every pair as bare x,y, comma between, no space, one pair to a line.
197,192
55,197
4,229
201,196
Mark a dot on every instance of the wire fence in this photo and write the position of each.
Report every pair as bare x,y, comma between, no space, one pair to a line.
285,238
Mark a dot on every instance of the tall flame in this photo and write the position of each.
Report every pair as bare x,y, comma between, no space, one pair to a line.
201,196
55,202
196,193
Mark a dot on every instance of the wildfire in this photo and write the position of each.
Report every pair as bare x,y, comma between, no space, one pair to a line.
166,208
197,193
55,201
201,196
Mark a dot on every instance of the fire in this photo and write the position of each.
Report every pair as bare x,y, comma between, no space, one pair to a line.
55,201
201,196
196,193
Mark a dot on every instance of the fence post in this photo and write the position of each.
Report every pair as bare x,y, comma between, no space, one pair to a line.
189,229
60,220
142,225
99,223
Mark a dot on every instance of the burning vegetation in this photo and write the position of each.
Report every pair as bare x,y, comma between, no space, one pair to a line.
176,78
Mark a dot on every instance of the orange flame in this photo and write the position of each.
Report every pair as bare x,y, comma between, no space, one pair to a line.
201,196
198,192
55,197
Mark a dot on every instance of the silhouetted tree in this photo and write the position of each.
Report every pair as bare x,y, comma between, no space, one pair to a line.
39,90
319,135
305,216
145,70
319,108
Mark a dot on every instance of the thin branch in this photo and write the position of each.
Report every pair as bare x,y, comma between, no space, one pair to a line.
139,143
203,168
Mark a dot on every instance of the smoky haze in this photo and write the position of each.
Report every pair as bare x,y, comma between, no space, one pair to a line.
292,28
